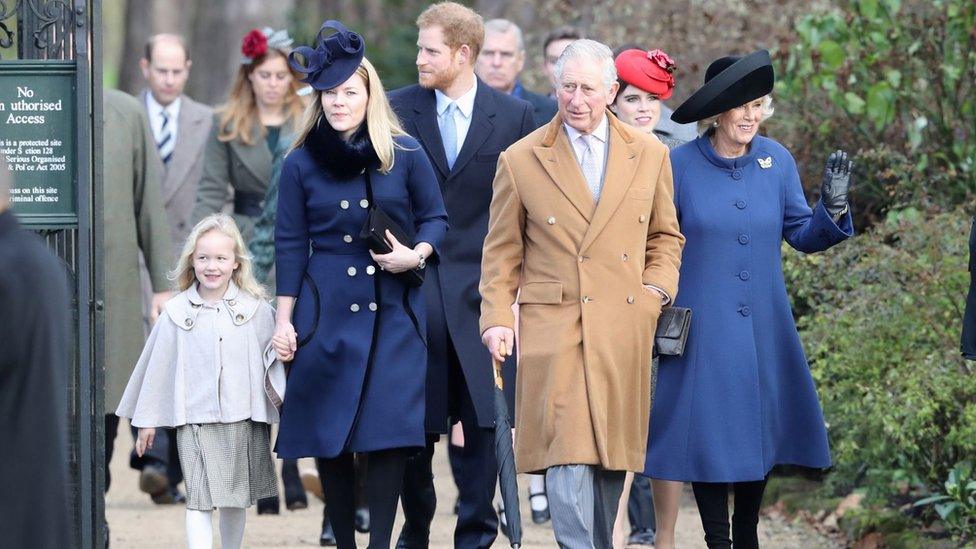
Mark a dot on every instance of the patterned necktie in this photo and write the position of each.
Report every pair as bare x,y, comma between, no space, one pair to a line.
449,134
591,167
164,141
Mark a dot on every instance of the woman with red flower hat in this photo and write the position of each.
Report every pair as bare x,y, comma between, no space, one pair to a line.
263,106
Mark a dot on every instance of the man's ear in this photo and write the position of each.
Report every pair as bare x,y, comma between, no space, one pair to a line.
188,65
612,95
144,65
464,51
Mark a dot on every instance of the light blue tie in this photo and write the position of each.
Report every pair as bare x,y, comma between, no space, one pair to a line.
449,134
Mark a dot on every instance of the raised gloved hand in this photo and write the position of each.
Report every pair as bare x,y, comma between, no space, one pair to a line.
836,182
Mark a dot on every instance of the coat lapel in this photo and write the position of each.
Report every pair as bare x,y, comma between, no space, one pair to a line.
480,129
622,160
254,157
190,141
558,159
428,131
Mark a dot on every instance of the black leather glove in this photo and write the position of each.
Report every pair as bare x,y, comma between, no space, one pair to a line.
836,182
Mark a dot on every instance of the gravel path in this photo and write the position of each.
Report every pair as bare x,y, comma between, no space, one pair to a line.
135,522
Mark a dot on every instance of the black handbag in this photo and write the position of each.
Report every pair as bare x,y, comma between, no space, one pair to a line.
672,331
374,233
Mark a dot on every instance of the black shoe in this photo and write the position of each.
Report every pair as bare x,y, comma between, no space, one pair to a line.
409,540
268,506
641,537
153,480
362,520
540,517
170,496
503,522
327,537
295,498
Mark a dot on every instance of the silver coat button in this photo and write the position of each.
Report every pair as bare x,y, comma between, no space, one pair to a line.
630,299
551,220
347,239
351,271
344,204
370,270
372,307
364,203
354,307
642,218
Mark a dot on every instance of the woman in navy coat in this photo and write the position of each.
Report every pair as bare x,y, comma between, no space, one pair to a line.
353,330
741,400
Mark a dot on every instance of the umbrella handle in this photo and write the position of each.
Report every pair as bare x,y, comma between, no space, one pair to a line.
497,369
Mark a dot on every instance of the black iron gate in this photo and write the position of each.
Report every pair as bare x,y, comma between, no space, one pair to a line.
58,36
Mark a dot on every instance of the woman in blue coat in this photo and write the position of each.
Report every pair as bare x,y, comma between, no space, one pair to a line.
352,328
741,400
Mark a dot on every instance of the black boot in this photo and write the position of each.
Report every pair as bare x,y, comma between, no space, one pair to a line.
268,506
327,537
294,491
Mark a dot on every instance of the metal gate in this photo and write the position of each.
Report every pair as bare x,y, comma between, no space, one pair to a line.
41,39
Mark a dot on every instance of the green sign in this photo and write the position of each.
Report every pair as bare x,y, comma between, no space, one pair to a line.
37,138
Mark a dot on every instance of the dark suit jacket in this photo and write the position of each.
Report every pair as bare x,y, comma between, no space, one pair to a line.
34,366
543,108
451,286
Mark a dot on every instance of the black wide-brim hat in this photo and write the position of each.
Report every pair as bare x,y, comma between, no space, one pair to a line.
729,82
335,58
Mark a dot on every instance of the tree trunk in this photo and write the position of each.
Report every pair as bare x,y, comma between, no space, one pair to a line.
138,27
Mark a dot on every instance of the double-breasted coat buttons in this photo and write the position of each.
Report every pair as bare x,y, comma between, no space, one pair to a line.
354,307
370,270
642,218
364,203
372,307
630,299
344,204
551,220
351,271
347,239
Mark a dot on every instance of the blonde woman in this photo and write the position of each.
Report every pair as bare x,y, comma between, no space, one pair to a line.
262,107
204,371
353,330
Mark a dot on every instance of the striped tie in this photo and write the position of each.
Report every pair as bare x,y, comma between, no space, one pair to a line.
164,140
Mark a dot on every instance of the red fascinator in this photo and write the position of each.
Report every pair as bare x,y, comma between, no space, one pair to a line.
254,45
651,71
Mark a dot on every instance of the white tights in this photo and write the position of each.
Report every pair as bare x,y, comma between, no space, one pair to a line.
199,528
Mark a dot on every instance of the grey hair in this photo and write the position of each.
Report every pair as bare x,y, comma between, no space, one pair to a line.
502,26
767,112
5,181
592,50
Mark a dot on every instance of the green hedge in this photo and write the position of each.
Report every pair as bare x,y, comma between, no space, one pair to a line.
880,318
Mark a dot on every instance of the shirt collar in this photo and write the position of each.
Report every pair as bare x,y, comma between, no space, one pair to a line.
155,108
602,131
465,103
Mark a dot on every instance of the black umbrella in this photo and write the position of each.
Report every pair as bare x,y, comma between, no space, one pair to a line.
505,453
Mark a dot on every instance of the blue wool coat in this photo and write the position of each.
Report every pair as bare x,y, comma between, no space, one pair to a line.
741,399
331,406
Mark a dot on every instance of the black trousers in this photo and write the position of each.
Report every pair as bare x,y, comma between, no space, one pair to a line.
475,473
713,506
640,506
384,473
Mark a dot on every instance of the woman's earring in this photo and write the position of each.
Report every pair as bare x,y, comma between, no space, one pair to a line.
715,124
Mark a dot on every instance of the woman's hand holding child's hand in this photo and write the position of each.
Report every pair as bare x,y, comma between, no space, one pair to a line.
285,341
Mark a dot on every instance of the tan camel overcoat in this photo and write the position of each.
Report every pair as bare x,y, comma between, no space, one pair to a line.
579,268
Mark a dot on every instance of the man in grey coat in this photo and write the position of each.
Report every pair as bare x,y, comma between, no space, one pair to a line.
179,126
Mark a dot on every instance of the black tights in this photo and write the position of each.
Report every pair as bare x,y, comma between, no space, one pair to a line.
384,475
713,506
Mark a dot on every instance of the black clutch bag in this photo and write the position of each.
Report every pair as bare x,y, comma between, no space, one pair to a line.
374,233
672,331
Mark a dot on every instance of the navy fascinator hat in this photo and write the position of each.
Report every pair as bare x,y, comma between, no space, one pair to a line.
334,59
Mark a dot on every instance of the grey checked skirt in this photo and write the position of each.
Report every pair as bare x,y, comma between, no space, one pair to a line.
226,464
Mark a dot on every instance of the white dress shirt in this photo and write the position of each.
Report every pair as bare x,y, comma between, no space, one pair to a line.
155,111
599,145
462,114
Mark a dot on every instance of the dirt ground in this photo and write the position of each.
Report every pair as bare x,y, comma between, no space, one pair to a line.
135,522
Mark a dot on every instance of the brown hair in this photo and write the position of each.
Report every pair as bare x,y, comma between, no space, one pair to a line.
561,33
151,44
239,115
461,25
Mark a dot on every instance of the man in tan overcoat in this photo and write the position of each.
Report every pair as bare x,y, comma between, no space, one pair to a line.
583,229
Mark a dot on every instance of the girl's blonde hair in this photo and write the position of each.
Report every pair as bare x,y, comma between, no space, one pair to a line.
183,276
239,115
381,122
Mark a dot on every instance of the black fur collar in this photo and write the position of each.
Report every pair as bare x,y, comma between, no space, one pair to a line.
342,159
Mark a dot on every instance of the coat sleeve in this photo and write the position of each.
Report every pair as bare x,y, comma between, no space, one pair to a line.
152,395
213,194
662,255
429,213
274,369
501,262
152,225
807,230
291,230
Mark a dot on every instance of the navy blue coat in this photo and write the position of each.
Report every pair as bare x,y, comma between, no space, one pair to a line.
330,407
741,399
451,288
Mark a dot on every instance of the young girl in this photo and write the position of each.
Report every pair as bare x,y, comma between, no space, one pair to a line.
208,369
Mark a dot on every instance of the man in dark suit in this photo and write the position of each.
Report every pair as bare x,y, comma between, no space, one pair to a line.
463,124
501,61
34,368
